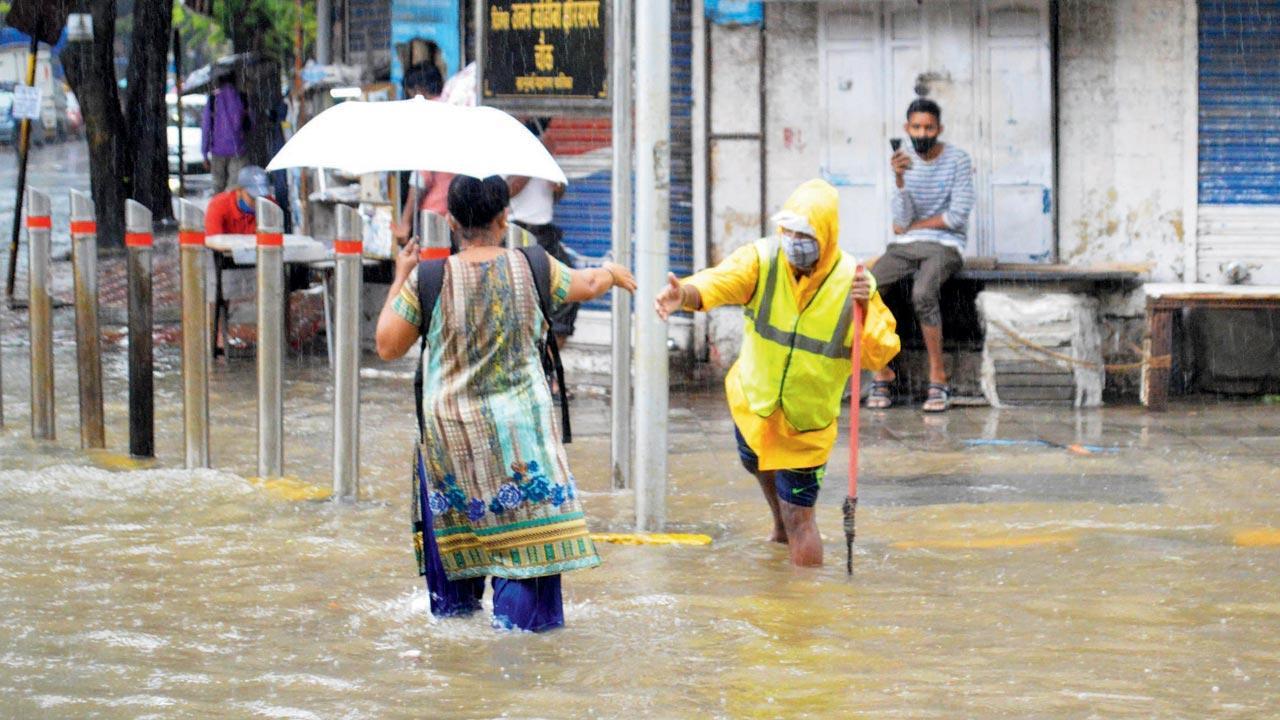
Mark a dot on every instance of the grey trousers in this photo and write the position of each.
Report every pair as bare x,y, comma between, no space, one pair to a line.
225,168
929,264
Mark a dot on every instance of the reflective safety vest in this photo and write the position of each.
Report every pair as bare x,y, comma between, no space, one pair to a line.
794,357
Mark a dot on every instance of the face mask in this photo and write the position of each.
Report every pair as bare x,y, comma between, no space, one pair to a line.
245,207
923,145
802,252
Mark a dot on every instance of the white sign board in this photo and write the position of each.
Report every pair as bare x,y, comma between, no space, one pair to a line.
26,102
79,27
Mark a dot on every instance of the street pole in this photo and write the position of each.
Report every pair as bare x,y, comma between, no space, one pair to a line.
138,240
177,88
84,263
40,315
24,152
620,396
324,30
195,335
347,249
653,235
270,349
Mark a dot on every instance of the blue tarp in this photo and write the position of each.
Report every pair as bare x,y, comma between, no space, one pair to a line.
10,38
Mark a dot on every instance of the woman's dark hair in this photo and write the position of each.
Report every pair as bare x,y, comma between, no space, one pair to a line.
474,203
426,78
924,105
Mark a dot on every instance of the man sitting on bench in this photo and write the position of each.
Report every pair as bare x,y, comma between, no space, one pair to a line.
931,207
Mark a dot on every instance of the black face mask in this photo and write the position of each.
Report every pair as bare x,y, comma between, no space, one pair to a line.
924,144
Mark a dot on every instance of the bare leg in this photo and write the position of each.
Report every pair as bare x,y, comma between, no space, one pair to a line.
771,496
802,530
933,345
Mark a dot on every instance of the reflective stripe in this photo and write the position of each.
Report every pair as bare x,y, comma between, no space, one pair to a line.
832,347
84,227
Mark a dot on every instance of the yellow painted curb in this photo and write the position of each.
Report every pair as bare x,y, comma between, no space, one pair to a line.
652,538
288,488
118,461
987,543
1257,537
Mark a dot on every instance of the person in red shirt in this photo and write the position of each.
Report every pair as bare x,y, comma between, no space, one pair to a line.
232,212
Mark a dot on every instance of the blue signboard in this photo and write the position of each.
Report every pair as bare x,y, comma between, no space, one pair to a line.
735,12
434,20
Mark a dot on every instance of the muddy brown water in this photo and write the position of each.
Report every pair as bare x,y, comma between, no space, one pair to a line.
990,581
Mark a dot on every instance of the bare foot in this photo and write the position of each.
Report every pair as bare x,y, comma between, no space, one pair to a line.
779,535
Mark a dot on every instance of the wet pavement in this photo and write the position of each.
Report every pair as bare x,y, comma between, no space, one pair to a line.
1010,563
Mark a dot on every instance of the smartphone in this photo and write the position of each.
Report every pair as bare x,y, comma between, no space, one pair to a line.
895,144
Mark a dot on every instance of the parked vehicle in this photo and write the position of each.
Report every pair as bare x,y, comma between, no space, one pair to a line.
192,113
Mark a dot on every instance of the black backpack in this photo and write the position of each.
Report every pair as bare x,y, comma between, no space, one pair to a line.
430,283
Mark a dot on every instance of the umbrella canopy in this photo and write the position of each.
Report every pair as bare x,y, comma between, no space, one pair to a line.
418,134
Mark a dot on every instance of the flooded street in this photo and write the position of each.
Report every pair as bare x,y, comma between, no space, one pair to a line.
1025,563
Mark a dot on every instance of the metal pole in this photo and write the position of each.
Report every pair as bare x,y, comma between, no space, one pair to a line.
347,249
270,339
138,240
24,153
653,235
620,396
435,236
177,89
84,257
324,31
40,314
195,334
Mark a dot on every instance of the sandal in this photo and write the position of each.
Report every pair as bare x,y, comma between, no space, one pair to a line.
939,398
881,395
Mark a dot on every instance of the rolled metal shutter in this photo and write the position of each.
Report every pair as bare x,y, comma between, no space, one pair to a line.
1239,137
582,146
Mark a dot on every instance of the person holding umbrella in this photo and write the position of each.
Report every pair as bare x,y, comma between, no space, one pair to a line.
493,489
797,289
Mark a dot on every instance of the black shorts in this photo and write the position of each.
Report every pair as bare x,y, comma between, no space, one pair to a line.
798,487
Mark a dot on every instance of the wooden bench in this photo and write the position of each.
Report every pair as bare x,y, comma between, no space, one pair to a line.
1163,300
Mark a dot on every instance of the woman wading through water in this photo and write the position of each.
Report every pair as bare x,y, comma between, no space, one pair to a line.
494,494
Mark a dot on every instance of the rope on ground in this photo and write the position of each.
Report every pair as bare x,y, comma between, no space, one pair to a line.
1162,361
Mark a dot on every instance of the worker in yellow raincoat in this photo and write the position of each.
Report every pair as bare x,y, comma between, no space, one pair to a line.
797,289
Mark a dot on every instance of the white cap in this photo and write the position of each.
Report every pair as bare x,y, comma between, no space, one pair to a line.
788,220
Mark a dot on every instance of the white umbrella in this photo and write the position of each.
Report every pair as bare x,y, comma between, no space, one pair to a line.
418,134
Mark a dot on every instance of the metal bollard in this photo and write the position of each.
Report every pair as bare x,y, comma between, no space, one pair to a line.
435,236
195,335
138,241
40,313
270,338
348,275
84,262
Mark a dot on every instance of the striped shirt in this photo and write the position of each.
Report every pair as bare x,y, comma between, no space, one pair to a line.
941,187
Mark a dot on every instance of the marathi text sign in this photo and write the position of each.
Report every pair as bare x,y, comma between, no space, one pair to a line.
546,52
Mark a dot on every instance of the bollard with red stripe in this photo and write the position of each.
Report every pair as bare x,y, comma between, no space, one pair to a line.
40,314
138,243
84,263
270,346
348,277
194,260
435,237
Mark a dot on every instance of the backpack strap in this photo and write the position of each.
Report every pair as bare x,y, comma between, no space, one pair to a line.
540,265
430,283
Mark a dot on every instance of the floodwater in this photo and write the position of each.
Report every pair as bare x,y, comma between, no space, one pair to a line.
1135,576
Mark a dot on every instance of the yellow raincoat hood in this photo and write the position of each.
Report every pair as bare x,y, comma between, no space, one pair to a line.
818,201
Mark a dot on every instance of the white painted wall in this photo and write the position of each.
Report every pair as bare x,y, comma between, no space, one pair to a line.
1121,101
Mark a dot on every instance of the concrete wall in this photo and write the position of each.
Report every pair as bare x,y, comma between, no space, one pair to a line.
1121,77
1120,104
734,164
